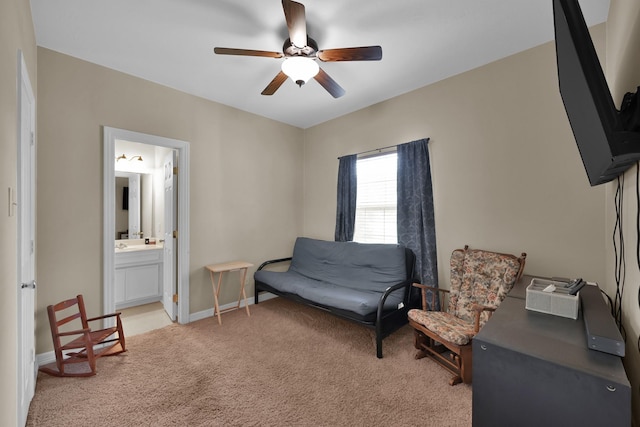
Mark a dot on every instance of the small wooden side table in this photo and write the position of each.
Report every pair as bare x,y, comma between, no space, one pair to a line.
240,266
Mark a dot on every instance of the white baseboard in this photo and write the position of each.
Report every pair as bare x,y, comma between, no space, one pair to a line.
210,312
45,358
50,356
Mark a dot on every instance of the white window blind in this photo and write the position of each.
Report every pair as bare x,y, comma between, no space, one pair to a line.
377,199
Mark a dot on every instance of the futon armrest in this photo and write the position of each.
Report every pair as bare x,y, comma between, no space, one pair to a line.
388,292
273,261
384,297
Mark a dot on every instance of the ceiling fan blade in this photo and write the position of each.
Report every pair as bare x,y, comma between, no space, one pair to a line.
275,84
329,84
296,22
246,52
367,53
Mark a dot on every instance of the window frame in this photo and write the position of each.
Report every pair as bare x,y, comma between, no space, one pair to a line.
385,211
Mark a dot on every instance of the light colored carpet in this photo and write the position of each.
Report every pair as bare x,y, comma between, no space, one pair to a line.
285,365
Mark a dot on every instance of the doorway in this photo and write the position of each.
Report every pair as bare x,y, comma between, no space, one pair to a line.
179,302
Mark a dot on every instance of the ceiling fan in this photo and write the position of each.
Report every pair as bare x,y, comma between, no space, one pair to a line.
301,51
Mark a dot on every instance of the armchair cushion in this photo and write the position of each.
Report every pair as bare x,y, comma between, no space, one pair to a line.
450,328
480,280
480,277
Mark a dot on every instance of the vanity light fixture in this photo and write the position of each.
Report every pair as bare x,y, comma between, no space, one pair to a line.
138,158
121,157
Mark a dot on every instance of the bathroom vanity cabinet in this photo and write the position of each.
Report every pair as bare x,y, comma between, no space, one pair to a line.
138,277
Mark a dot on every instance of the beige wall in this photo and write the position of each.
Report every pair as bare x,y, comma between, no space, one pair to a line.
506,171
623,74
246,174
16,33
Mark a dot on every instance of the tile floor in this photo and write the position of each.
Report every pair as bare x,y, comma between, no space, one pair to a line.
144,318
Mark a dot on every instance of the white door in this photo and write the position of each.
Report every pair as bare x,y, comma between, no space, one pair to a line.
26,371
169,262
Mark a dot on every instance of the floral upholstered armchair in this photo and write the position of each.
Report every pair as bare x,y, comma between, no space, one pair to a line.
480,280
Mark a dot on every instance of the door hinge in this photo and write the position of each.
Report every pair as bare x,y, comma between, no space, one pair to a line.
175,234
33,247
33,138
175,298
175,170
30,285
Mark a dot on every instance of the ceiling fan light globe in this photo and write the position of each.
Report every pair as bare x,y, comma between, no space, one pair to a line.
300,69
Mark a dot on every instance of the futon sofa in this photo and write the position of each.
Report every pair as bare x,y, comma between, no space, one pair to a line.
366,283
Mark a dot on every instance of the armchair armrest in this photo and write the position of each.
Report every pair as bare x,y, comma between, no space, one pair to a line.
424,289
479,309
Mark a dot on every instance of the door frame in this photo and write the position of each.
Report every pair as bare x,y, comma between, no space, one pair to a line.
26,150
110,135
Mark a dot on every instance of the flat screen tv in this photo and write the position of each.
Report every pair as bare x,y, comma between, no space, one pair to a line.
607,148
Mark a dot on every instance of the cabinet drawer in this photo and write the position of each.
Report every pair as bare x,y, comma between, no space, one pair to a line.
124,259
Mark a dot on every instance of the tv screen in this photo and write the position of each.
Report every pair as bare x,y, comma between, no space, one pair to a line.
606,148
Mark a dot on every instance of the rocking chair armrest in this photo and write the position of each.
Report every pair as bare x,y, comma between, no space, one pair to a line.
424,288
106,316
478,309
429,287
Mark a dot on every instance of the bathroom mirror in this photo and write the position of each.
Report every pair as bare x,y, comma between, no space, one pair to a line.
134,205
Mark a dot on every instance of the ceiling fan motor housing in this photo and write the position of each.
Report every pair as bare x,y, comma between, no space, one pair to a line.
309,50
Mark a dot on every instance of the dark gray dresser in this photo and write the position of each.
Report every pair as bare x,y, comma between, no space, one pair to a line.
534,369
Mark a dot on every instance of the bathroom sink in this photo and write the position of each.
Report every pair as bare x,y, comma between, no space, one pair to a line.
134,248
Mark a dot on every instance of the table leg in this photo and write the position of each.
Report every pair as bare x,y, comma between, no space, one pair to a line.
243,296
215,294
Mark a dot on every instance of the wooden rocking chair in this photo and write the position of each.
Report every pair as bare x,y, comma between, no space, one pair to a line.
480,280
77,349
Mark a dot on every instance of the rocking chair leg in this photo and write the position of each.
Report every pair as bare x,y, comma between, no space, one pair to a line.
420,341
455,380
420,354
466,366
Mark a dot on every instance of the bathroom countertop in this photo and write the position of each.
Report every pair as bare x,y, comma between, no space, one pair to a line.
135,247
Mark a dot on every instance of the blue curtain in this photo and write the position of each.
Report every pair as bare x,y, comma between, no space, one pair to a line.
416,224
347,190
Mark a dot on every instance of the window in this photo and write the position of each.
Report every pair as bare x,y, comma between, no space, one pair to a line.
377,199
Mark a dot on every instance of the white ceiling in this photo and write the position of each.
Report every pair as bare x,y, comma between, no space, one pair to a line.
171,42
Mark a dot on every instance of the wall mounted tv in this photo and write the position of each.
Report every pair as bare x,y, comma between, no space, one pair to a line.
607,143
